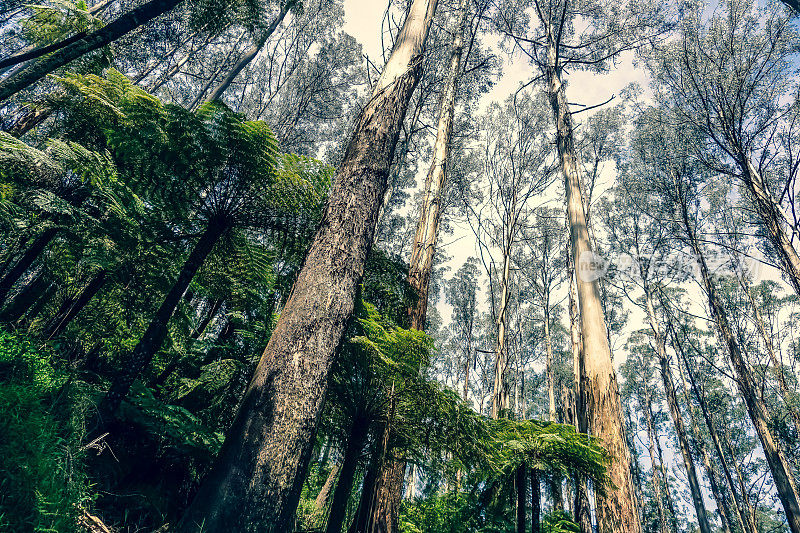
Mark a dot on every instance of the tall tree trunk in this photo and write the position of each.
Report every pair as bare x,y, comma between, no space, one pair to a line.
616,508
673,515
252,52
156,331
500,392
321,501
211,79
259,472
777,365
712,431
424,246
536,503
39,51
782,474
386,506
719,498
70,311
108,34
355,442
752,516
521,486
31,254
555,484
16,308
367,501
769,211
583,512
636,469
677,418
658,480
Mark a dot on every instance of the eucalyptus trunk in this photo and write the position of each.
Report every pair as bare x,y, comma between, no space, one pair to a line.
677,418
99,38
770,213
256,481
500,392
782,474
583,511
252,52
424,245
712,431
616,508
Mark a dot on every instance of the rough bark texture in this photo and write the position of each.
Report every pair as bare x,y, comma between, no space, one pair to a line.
255,483
156,331
20,267
781,470
616,510
583,512
355,442
251,53
677,418
108,34
386,506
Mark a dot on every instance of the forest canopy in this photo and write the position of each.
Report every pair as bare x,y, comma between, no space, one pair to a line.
410,266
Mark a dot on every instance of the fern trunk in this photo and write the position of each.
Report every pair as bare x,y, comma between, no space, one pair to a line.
153,337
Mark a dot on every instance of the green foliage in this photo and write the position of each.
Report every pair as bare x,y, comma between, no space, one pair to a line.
51,23
559,522
451,512
42,480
